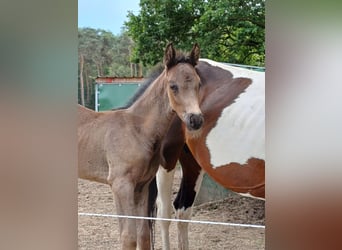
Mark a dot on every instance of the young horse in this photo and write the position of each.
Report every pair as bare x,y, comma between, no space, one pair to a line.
121,147
231,147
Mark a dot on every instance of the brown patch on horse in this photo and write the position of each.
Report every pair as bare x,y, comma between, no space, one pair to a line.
240,178
172,145
190,172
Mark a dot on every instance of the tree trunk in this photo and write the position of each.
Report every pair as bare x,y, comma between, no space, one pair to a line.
98,69
81,78
140,70
132,70
101,69
87,85
135,69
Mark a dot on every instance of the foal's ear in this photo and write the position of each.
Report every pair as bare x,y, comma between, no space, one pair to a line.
169,56
195,54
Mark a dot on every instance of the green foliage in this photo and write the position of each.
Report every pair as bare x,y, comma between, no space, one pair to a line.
103,54
104,51
227,30
158,23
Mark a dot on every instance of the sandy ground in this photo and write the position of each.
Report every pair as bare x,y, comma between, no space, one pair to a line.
103,233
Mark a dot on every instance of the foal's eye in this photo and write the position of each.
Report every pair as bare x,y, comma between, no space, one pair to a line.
174,88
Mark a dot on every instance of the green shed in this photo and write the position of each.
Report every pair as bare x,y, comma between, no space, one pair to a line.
114,92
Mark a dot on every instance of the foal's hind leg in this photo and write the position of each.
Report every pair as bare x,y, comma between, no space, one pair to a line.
123,191
164,184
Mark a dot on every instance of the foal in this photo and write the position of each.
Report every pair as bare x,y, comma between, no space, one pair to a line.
121,147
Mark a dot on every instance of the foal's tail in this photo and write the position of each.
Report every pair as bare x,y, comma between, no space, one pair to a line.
152,209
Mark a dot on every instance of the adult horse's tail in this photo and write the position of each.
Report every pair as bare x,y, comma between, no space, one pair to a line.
152,209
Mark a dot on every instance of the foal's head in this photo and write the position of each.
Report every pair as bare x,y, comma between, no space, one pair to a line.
183,85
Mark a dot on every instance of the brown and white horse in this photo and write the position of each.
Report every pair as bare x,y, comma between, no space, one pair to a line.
231,147
121,148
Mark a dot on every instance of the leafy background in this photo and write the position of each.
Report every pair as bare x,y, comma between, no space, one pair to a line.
227,30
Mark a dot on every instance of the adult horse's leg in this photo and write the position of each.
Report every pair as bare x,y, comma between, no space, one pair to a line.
192,176
123,191
164,184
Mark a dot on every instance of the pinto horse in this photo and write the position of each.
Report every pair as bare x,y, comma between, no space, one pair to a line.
121,147
230,147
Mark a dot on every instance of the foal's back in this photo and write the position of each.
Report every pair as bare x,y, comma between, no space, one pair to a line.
85,115
92,129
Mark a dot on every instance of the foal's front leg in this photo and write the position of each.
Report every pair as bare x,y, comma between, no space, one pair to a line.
143,228
123,191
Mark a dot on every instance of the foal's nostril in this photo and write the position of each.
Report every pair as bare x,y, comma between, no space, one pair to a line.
196,121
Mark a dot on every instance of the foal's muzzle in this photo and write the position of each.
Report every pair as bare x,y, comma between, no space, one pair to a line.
194,121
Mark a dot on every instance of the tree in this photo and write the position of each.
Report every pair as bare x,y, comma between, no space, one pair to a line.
101,53
227,30
233,31
158,23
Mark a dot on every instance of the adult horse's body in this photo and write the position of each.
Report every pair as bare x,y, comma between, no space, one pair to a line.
231,147
121,148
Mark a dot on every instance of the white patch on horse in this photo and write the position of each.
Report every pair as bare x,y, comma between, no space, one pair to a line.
240,130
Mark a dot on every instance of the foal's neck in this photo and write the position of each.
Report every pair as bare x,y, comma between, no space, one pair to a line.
153,109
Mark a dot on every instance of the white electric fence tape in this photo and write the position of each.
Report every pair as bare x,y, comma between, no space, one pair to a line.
174,220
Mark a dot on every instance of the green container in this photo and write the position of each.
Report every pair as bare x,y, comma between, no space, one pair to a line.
211,191
109,96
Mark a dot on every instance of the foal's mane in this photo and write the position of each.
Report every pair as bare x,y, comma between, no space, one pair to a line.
153,75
